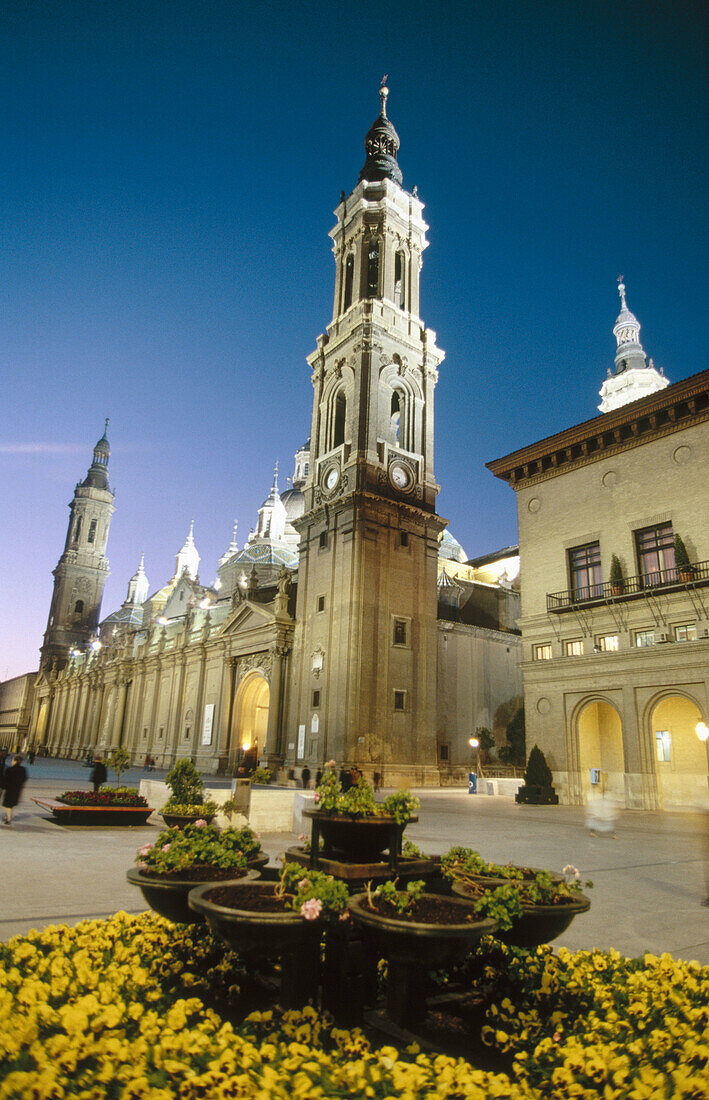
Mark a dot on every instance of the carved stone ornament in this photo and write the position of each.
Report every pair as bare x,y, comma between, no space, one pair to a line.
317,661
255,662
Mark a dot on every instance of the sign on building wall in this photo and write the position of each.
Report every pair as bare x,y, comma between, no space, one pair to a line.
301,742
208,724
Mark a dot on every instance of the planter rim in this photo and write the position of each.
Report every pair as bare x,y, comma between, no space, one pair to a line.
369,819
358,910
578,904
136,877
200,904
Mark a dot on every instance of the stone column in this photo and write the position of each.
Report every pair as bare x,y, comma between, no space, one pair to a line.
274,733
116,732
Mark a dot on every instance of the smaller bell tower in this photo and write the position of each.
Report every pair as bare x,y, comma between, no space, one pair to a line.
82,570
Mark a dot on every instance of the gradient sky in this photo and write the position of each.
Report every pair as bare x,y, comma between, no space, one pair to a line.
169,175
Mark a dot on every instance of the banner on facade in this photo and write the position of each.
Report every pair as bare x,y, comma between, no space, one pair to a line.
301,743
207,724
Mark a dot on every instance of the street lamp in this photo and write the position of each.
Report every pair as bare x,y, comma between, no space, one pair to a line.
475,744
702,731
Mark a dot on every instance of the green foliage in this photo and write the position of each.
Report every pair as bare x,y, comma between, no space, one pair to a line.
261,775
401,805
328,791
186,785
486,739
515,751
313,894
502,904
119,761
190,809
412,851
616,575
682,562
197,846
358,800
401,901
458,863
538,773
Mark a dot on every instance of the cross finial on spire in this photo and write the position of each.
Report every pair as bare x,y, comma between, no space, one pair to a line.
621,290
383,93
275,475
108,420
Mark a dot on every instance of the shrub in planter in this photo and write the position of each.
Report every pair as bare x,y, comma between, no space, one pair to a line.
683,565
537,788
106,796
617,581
200,845
187,798
261,776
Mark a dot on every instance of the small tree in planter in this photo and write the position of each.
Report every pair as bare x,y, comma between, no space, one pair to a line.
119,761
187,798
685,569
538,788
617,581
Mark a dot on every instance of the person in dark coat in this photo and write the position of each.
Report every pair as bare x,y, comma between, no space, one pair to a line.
305,776
3,758
318,777
13,782
98,773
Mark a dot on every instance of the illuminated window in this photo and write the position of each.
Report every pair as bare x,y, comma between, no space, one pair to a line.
585,571
543,652
574,648
663,742
608,643
644,638
687,632
656,554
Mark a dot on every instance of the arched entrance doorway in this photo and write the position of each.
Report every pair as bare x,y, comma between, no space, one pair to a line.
680,757
250,717
601,756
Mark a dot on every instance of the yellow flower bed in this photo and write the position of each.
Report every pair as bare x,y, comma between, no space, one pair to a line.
99,1011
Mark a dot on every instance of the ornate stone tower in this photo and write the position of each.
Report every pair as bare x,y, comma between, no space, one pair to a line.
633,377
364,686
82,570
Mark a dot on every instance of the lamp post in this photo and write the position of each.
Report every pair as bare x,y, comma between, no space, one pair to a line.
475,744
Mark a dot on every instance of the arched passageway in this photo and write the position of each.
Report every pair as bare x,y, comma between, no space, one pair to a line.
680,757
250,717
601,755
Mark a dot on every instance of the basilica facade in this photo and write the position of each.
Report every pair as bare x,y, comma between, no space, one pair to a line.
351,624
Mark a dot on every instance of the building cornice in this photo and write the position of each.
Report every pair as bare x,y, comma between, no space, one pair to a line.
673,409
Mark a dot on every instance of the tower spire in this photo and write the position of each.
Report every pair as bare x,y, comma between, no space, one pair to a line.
381,146
633,377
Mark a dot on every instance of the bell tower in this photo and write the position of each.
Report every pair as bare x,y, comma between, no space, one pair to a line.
364,690
82,570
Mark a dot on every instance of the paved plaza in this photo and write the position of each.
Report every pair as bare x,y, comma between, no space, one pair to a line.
649,882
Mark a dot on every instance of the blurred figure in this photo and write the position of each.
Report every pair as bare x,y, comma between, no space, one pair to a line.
98,773
601,815
13,782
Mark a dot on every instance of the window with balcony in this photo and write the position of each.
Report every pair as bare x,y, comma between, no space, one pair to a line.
585,571
656,554
644,638
686,632
608,643
543,652
574,648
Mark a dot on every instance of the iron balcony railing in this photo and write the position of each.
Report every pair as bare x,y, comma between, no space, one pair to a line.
643,585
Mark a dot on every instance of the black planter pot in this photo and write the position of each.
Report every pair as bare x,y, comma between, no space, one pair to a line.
180,820
356,839
95,815
169,897
538,923
412,949
287,935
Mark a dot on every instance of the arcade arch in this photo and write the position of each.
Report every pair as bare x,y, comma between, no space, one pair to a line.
680,757
250,721
600,741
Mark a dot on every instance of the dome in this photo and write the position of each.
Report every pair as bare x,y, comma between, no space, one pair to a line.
267,553
450,548
381,145
294,503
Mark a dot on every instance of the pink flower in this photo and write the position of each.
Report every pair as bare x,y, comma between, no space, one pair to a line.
317,797
311,909
304,884
331,764
144,850
142,866
302,837
166,847
200,823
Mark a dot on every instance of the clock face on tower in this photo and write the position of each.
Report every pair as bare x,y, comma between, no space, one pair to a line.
331,478
400,476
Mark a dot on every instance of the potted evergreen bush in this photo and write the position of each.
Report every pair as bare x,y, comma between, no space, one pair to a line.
685,570
186,804
617,581
537,788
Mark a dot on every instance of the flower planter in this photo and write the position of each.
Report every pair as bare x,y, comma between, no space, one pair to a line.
169,896
180,820
413,948
95,815
538,923
253,932
356,839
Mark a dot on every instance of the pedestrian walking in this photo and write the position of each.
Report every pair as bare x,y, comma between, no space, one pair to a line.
30,756
13,782
98,773
305,776
318,777
377,781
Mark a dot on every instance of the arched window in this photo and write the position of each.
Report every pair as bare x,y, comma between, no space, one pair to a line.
77,530
399,275
340,410
373,268
395,418
92,530
78,609
349,280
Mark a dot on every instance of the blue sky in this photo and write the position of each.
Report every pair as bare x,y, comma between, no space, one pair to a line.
169,175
